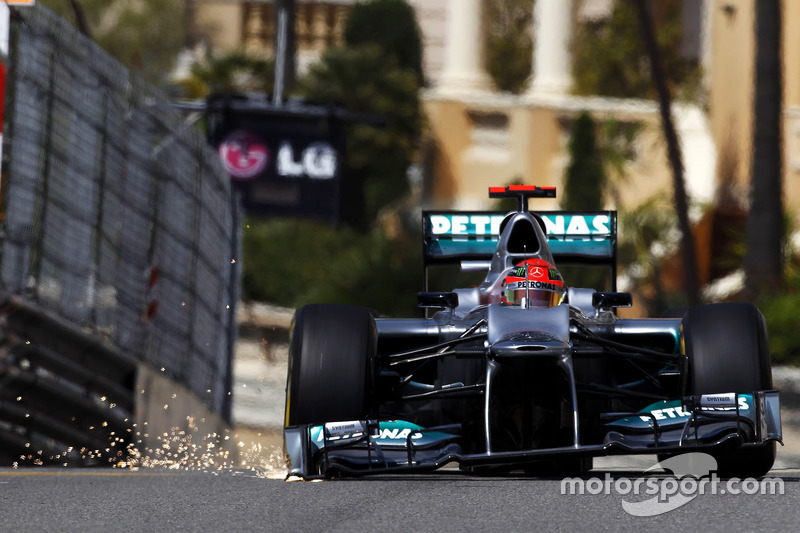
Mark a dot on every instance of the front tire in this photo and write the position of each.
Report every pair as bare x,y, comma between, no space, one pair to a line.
728,351
331,365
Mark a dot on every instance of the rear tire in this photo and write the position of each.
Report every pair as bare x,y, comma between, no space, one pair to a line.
331,365
728,351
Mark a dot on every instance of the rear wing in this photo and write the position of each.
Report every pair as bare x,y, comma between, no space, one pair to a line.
574,237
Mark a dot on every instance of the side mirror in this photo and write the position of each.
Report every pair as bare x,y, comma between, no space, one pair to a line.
437,300
601,300
475,266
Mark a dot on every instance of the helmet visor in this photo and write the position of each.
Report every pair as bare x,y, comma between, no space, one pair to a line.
540,294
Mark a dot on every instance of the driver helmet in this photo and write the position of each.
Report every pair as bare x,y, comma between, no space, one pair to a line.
533,283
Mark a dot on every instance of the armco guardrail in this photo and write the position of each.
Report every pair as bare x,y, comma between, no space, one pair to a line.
65,396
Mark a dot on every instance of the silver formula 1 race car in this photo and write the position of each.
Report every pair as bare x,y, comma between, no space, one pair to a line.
524,372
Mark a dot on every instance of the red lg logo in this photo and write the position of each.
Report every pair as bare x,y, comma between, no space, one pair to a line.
244,154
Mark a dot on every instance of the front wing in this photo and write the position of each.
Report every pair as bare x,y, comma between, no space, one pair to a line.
695,423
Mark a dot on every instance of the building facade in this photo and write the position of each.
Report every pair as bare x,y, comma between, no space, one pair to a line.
249,25
484,136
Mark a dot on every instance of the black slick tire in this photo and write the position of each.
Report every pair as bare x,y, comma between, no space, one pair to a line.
728,351
331,365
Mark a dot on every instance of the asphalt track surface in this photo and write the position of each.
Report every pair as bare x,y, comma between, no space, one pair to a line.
86,500
44,499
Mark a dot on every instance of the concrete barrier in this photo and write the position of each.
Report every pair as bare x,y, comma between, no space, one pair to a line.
175,429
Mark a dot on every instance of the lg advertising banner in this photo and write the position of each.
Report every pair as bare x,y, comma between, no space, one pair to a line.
285,162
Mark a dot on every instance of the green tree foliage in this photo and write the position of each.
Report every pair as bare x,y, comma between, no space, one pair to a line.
297,262
648,232
585,179
584,184
609,58
780,313
616,143
391,25
379,73
509,43
144,35
781,305
364,80
235,71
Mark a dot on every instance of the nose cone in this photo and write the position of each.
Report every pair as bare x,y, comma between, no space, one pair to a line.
530,344
515,332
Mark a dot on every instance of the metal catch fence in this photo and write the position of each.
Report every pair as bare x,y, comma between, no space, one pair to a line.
118,216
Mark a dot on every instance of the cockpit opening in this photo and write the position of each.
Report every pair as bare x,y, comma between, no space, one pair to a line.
523,238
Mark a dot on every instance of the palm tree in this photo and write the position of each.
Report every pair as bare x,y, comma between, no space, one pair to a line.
764,259
674,154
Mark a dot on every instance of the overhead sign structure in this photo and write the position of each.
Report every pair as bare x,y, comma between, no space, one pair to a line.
285,161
